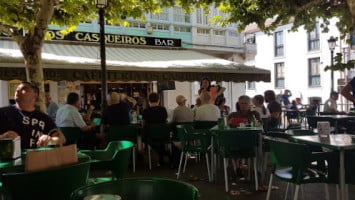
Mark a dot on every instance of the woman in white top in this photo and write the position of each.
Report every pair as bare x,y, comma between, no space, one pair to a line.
258,102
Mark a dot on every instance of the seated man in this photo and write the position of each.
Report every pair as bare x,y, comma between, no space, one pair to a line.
69,116
23,119
207,111
330,106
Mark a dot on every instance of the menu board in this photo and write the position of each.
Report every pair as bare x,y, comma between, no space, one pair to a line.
65,87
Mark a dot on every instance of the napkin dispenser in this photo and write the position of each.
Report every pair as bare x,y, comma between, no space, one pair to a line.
10,148
323,128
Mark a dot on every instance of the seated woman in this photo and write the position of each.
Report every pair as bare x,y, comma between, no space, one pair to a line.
244,114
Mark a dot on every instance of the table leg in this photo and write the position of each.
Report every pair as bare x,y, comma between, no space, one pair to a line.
212,160
342,175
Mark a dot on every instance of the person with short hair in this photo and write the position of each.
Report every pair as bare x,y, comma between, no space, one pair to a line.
244,114
51,106
35,128
274,108
182,113
330,105
69,116
117,113
156,114
207,111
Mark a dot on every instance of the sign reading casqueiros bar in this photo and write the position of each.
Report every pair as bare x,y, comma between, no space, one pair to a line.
115,39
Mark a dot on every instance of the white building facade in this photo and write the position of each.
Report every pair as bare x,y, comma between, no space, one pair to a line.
297,61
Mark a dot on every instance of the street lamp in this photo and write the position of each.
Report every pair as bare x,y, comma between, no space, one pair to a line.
101,5
332,44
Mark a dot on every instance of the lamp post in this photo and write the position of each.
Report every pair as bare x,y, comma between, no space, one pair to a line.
332,44
101,5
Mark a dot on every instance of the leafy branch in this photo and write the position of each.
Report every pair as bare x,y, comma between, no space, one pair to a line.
339,65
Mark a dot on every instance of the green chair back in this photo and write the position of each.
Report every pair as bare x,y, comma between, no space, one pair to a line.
121,160
157,133
114,157
122,132
193,142
141,189
174,128
55,184
238,144
204,124
297,157
72,134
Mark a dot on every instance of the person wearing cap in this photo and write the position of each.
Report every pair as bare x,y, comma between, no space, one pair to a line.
182,113
35,128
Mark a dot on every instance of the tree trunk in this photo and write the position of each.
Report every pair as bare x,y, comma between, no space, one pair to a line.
351,4
31,48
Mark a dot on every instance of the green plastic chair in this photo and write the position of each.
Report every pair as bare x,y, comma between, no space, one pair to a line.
72,134
124,132
115,158
237,144
141,188
192,143
157,134
55,183
204,124
292,162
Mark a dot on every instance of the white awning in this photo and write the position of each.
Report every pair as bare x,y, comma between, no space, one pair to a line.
181,64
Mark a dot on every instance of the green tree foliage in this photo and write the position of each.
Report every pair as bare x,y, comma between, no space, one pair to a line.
26,21
301,12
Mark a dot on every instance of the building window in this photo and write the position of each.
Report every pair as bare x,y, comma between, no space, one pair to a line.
164,27
279,44
279,75
233,34
219,32
250,38
313,39
163,15
181,16
185,29
136,24
251,85
314,71
203,31
201,17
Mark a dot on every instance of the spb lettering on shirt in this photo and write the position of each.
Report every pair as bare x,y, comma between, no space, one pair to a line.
28,121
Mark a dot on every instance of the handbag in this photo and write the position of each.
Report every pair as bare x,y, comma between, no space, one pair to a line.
37,160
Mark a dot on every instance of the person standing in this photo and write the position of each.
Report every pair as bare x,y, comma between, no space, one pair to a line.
205,86
117,113
23,119
207,111
51,106
69,116
349,91
274,108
